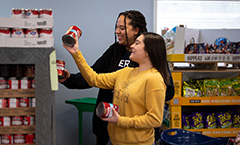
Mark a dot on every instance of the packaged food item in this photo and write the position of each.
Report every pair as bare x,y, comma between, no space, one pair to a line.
196,120
169,38
211,87
31,33
17,33
17,13
60,68
69,37
201,49
225,87
224,119
236,120
210,121
104,109
185,122
31,13
4,32
191,49
45,13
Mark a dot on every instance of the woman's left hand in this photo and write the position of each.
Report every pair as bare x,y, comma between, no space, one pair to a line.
113,118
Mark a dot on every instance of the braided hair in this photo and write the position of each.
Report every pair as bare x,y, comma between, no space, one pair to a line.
137,20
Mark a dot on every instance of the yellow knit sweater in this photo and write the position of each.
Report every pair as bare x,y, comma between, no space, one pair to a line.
140,96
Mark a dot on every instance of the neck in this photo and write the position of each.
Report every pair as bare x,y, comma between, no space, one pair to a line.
146,66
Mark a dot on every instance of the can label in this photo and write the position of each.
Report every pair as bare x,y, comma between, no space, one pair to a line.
105,109
13,102
45,33
33,83
3,83
25,83
17,33
32,33
24,102
18,138
5,32
17,13
69,37
3,103
7,139
30,138
28,120
13,83
45,13
33,102
31,13
5,121
17,120
60,68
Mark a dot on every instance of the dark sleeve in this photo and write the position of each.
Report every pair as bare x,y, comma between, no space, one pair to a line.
170,87
76,81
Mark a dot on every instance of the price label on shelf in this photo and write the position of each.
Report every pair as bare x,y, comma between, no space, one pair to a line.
212,57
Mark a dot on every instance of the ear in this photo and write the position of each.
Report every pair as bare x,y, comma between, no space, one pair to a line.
136,31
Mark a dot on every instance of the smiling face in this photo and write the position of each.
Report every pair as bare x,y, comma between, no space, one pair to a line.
139,54
121,31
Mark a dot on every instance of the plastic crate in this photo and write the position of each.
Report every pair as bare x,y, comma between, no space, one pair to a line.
184,137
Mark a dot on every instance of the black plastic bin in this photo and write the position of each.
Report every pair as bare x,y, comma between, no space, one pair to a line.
183,137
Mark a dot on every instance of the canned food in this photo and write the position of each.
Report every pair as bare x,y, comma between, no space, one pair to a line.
60,68
3,83
31,13
5,32
28,120
30,138
33,83
17,13
17,120
18,138
46,33
24,102
7,139
5,121
69,37
25,83
17,33
105,109
13,102
31,33
45,13
3,103
33,102
13,83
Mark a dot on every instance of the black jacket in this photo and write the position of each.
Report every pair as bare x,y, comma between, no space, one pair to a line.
106,63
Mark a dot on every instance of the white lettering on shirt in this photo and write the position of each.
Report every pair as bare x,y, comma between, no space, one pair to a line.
123,63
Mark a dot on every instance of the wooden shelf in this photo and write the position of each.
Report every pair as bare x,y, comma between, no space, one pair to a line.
16,93
23,129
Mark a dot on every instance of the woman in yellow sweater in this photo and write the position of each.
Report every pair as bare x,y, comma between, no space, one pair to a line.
139,92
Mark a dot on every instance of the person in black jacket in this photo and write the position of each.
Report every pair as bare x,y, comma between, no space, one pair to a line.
114,58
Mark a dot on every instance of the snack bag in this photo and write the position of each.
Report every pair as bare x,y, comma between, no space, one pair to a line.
226,87
211,87
224,119
211,121
185,122
169,38
236,120
196,120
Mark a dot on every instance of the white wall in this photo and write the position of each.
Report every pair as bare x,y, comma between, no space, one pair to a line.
96,18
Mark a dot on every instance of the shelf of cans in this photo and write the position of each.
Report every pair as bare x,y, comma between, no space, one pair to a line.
17,104
25,24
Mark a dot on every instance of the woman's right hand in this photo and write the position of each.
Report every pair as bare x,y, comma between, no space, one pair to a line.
66,76
73,49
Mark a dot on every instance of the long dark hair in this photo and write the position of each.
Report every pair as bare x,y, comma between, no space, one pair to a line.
156,49
137,20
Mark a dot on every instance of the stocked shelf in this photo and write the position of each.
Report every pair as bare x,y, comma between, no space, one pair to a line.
23,129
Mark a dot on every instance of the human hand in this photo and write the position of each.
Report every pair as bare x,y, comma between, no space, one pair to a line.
66,76
237,141
113,118
73,49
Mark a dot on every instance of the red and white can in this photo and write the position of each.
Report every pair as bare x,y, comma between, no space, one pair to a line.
33,84
24,102
25,83
5,121
17,13
30,138
46,33
13,83
105,109
60,68
17,33
5,32
3,103
13,102
69,37
28,120
17,120
19,138
31,33
7,139
33,102
3,83
31,13
45,13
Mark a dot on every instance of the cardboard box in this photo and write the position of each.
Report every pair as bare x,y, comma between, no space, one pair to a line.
26,23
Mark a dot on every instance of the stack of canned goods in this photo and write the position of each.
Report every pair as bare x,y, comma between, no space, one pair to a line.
31,13
17,138
17,102
26,33
15,83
